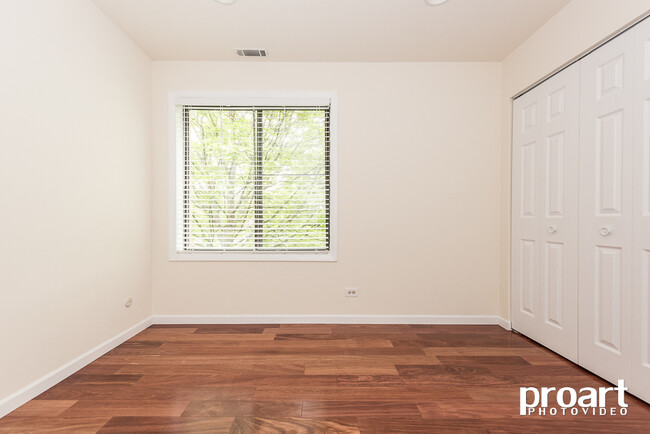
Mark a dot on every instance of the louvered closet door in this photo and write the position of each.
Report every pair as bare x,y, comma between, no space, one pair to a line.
640,383
605,256
545,213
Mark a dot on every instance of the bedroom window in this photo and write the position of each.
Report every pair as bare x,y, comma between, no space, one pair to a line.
253,179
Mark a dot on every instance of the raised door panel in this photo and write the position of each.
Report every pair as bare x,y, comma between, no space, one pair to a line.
609,164
554,287
606,172
528,275
640,383
608,287
528,180
555,166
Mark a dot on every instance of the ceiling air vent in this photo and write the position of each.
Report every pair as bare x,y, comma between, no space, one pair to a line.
251,52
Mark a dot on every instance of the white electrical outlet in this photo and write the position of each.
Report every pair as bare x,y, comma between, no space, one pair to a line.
351,292
129,302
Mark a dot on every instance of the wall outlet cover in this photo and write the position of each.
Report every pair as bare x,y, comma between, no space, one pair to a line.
351,292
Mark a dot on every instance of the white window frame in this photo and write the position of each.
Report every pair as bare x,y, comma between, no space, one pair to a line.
246,99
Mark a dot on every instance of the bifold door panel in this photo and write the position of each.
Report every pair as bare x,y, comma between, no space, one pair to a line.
545,213
581,211
606,158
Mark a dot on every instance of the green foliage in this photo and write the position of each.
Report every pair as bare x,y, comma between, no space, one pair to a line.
243,197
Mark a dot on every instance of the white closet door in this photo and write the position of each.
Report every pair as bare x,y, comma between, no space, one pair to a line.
545,213
605,257
526,153
559,228
640,383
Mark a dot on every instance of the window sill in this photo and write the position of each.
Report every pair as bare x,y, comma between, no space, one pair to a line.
252,257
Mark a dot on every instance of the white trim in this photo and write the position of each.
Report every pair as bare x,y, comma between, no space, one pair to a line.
252,98
330,319
329,256
238,99
505,323
39,386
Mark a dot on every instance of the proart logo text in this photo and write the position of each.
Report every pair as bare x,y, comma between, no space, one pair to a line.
588,400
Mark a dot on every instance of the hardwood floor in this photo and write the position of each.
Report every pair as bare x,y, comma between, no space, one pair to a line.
317,378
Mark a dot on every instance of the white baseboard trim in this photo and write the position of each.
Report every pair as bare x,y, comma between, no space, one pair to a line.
39,386
329,319
505,323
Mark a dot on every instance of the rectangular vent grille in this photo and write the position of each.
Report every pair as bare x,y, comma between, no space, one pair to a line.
251,52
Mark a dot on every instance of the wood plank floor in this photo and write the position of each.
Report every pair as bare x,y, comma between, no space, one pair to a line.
316,378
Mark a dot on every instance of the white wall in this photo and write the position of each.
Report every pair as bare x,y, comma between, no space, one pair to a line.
574,29
418,194
75,185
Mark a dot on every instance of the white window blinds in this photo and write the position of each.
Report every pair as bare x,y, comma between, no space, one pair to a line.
253,179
